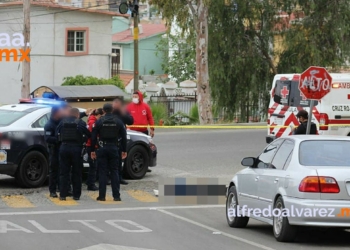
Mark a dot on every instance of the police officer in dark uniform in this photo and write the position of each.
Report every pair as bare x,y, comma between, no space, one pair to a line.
303,117
72,132
109,128
120,111
53,144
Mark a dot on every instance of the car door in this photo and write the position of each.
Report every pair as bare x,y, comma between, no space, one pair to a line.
249,179
271,179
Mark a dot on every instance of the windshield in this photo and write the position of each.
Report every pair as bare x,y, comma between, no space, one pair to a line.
324,153
7,117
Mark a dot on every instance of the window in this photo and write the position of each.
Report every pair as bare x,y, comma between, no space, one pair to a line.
41,122
266,156
330,153
288,161
77,41
282,155
7,117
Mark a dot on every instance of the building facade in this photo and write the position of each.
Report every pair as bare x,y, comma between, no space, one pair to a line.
64,41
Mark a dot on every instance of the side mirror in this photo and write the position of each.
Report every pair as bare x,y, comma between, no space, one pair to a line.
248,162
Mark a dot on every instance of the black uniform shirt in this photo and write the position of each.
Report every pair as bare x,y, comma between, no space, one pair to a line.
301,129
50,132
82,127
121,134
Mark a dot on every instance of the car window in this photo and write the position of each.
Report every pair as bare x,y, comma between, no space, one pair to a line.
7,117
41,122
288,161
266,156
330,153
282,155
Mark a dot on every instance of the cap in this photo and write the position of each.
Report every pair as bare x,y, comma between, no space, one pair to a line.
302,113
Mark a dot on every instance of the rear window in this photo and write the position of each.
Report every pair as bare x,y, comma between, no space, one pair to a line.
7,117
324,153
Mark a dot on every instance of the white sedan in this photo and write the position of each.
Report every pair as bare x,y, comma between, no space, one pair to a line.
296,181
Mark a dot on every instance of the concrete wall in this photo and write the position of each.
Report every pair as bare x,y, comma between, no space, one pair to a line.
147,56
49,64
120,24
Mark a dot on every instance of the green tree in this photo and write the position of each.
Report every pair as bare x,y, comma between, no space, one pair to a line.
192,18
181,65
90,80
319,36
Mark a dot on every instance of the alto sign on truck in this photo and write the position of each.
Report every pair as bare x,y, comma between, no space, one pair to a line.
291,93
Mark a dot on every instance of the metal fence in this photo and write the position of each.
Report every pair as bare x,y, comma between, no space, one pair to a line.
175,103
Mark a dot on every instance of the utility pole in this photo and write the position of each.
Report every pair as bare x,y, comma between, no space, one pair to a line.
135,14
25,90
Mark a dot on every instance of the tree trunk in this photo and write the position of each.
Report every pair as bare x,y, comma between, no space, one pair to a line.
202,72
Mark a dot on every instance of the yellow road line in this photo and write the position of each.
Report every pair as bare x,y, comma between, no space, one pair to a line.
142,196
58,202
109,199
17,201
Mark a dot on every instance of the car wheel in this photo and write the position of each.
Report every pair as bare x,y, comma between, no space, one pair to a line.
136,163
33,170
231,210
282,230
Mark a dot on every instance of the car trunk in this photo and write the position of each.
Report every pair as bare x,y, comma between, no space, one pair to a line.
342,176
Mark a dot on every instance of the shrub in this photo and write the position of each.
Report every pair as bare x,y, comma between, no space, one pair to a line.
159,112
81,80
194,114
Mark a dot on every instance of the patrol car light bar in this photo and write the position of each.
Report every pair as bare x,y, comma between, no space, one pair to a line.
45,101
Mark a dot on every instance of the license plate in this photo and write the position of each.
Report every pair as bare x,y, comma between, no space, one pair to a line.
5,145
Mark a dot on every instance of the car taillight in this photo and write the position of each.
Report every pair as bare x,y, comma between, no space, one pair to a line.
324,121
319,184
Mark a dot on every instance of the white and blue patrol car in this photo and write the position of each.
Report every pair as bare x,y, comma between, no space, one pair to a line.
24,153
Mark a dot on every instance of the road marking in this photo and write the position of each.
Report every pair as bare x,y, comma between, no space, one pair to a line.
252,243
140,229
58,202
112,247
109,199
142,196
103,210
17,201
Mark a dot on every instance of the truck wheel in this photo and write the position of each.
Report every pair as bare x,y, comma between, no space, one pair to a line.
33,170
136,163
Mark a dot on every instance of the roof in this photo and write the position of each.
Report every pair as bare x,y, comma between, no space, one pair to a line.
93,91
126,78
22,107
149,30
52,5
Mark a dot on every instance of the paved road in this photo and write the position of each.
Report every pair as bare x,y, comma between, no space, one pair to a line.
30,220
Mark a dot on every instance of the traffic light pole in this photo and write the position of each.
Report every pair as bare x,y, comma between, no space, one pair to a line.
136,46
309,120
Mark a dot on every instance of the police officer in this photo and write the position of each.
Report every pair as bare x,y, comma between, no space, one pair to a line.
108,128
72,132
120,111
53,144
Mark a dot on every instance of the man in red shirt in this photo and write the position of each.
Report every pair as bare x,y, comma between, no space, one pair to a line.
141,113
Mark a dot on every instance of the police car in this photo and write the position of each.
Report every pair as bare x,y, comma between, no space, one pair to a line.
24,153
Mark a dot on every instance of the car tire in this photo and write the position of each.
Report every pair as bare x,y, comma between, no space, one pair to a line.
33,170
232,203
282,230
136,163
